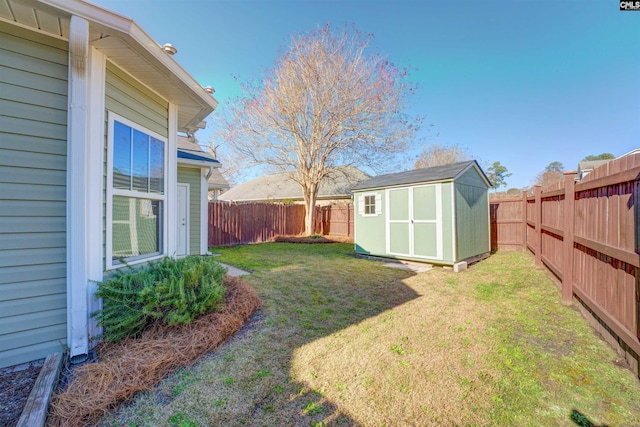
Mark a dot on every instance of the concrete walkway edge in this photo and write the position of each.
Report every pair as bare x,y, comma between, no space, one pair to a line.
234,271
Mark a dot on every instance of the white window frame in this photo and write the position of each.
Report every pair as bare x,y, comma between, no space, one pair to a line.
377,204
111,192
367,198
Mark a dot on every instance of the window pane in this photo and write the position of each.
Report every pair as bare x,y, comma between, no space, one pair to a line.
140,161
137,227
370,205
121,156
156,165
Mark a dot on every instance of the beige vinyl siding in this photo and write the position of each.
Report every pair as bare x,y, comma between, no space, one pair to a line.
130,99
33,132
192,176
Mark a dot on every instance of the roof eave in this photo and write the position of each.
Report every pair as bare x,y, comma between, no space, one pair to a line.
199,163
479,169
194,98
404,184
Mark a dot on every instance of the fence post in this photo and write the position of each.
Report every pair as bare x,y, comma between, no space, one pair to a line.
567,243
537,191
524,220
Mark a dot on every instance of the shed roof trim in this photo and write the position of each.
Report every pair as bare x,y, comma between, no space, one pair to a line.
436,173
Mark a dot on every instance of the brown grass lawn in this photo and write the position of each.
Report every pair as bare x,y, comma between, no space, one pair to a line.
346,341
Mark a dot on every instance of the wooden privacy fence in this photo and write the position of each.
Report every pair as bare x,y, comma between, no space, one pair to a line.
233,223
587,235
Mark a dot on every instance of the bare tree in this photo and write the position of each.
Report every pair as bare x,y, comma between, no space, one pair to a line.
439,155
230,168
325,103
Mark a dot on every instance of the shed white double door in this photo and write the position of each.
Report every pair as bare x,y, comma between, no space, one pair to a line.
414,221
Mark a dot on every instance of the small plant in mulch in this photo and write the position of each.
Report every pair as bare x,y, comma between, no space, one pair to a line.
169,292
171,336
316,238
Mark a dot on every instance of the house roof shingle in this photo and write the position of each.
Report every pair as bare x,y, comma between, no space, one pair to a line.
281,186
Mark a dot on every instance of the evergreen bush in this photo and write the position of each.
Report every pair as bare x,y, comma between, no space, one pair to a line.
167,291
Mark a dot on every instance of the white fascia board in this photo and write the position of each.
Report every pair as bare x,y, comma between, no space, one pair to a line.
143,39
405,185
130,29
198,163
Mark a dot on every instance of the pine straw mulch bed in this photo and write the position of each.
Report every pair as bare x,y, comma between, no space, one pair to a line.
310,240
132,365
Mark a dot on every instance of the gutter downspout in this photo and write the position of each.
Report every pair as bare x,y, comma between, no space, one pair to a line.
76,223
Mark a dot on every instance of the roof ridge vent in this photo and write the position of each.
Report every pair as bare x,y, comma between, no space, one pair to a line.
169,49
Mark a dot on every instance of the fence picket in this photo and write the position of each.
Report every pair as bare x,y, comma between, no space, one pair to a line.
588,235
234,223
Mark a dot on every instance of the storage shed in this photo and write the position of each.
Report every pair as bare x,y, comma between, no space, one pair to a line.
438,215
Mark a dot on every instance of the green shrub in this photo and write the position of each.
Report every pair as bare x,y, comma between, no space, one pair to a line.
168,291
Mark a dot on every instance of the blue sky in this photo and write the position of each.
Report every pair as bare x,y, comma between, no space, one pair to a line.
523,82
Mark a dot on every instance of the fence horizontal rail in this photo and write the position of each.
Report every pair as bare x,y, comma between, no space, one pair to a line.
587,235
241,223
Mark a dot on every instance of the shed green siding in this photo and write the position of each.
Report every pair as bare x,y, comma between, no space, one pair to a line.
192,176
130,99
448,255
366,242
472,216
407,227
33,147
370,231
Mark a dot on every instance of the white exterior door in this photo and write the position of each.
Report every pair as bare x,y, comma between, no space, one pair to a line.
182,234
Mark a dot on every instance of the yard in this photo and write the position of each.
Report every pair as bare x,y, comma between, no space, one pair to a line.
346,341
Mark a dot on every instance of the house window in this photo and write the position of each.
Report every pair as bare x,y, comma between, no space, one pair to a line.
136,188
370,205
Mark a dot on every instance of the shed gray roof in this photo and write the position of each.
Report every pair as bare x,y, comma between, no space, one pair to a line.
436,173
281,186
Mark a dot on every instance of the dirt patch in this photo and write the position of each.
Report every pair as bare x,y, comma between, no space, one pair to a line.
16,383
132,365
313,239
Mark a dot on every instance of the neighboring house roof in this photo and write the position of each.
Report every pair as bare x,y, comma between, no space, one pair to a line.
281,186
634,151
436,173
190,152
217,181
125,44
587,166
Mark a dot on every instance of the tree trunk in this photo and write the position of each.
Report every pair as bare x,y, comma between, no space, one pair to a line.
310,196
309,219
